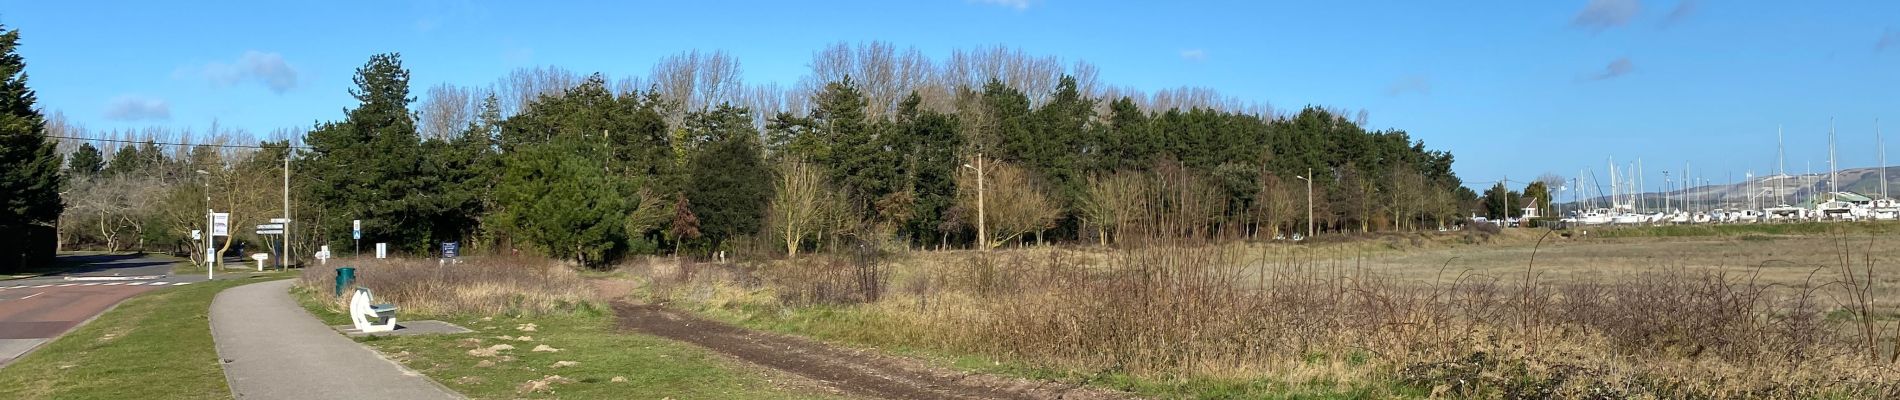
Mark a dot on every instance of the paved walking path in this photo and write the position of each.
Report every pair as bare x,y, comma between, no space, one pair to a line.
273,349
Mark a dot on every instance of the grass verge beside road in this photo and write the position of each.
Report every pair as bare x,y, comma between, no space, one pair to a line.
154,346
499,360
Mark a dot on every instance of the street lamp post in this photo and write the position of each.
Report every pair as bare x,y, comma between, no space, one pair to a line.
982,230
211,261
1309,201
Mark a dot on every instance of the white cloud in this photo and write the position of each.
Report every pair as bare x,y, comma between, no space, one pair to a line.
1195,55
1619,67
1683,11
136,108
1600,15
268,69
1019,5
1410,84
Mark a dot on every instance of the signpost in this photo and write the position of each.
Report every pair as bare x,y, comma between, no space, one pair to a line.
451,249
220,224
356,236
267,230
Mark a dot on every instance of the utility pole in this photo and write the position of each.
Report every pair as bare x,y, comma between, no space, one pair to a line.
283,256
1309,201
211,261
982,229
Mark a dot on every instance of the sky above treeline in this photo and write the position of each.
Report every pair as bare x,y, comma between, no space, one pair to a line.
1512,88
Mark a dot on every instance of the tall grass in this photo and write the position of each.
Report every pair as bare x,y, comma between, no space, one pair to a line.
1177,306
480,286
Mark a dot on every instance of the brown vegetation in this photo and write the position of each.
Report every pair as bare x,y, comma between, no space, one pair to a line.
498,286
1183,312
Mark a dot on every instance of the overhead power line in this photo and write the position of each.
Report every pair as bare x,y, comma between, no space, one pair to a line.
233,146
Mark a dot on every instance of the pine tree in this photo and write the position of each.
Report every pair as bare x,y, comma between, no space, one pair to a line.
559,197
927,141
730,180
86,161
29,166
370,166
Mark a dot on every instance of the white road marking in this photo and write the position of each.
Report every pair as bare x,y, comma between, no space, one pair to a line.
65,285
40,286
134,283
181,283
31,295
115,283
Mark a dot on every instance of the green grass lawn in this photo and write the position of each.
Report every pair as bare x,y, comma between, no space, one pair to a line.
154,346
651,367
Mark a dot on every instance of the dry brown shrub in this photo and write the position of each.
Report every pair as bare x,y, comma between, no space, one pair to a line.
478,286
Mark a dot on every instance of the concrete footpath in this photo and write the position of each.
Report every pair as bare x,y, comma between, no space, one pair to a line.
273,349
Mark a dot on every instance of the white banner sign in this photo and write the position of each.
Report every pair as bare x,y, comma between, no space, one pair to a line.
220,224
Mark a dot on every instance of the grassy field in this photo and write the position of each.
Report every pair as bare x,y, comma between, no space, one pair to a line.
1757,314
154,346
605,364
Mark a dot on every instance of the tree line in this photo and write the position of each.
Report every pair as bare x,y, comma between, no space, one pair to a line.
592,172
884,152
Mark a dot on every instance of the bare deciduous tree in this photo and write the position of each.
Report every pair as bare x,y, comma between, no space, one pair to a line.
1114,201
799,207
446,110
523,86
1014,203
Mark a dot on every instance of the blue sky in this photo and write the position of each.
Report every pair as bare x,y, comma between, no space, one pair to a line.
1513,88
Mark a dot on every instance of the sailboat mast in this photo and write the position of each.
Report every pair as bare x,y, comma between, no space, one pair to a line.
1781,166
1833,177
1883,158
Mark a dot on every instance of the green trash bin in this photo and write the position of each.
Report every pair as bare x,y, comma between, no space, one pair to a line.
344,277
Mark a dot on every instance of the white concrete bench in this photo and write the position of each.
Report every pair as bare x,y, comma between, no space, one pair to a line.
363,307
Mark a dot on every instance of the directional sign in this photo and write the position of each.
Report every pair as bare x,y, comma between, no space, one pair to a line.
280,220
451,249
220,224
270,231
197,234
270,226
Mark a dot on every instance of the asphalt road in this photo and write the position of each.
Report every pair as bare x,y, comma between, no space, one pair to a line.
36,310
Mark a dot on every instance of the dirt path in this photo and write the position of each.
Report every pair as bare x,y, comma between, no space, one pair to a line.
859,372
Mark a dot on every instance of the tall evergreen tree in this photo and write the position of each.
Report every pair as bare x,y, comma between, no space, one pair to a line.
731,182
370,166
559,197
927,141
86,161
29,165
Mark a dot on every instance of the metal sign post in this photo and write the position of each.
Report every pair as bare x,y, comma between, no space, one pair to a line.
356,237
266,230
220,226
